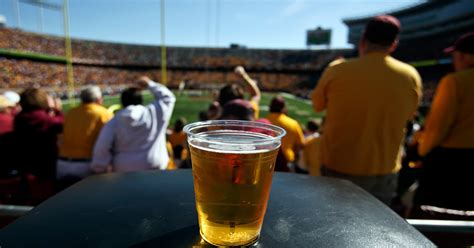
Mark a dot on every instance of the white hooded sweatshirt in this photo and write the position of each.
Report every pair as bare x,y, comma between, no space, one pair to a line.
135,139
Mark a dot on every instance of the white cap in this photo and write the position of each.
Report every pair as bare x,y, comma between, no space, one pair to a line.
12,96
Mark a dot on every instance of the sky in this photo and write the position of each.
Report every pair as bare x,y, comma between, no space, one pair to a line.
201,23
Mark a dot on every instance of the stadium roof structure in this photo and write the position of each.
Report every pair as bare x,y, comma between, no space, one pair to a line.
426,28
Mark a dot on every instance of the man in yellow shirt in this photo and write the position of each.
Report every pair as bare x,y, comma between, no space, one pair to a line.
82,125
310,155
368,102
448,139
293,140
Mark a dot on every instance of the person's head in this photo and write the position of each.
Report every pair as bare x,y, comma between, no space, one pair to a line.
462,52
131,96
34,99
380,35
213,111
91,94
277,105
179,124
229,93
5,105
238,109
312,126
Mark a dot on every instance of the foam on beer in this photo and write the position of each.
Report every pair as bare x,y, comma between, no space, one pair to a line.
233,141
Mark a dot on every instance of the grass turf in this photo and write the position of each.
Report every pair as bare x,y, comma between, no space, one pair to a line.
188,105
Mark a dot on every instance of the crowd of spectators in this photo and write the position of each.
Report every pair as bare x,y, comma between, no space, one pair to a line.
18,74
106,53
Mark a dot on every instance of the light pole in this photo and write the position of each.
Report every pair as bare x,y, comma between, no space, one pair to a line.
67,40
164,78
16,10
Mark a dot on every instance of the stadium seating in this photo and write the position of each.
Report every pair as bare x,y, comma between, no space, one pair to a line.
116,64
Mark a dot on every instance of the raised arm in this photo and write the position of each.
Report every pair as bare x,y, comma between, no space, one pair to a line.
252,87
160,92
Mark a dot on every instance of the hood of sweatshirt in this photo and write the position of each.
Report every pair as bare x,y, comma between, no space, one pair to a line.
134,116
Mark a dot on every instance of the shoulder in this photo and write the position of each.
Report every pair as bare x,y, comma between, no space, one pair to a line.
449,81
402,66
341,69
102,111
462,76
450,77
336,66
292,122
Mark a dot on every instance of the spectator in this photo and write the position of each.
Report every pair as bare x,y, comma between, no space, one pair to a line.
82,125
368,101
233,91
14,98
252,90
36,129
177,140
6,137
448,139
135,138
293,140
6,115
311,149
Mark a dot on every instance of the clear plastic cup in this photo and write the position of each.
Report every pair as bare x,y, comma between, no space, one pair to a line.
233,164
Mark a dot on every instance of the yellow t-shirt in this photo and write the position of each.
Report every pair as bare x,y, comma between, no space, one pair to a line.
177,139
171,164
311,155
294,134
256,109
81,128
368,101
450,123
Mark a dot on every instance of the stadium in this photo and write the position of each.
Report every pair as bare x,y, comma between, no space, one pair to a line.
425,33
34,60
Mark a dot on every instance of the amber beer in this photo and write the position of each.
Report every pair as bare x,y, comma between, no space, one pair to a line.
232,177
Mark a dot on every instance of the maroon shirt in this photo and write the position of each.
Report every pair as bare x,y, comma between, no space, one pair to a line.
36,138
6,123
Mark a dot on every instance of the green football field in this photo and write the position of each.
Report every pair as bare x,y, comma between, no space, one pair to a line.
189,104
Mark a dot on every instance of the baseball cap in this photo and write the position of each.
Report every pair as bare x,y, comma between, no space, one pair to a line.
382,30
12,96
465,44
5,103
